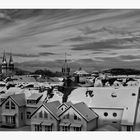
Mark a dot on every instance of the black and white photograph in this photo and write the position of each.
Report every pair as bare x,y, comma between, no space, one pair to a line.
69,69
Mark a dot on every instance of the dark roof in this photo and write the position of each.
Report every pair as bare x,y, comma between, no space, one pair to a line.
19,99
52,106
83,109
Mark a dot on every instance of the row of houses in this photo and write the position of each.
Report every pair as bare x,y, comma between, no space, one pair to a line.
46,116
87,108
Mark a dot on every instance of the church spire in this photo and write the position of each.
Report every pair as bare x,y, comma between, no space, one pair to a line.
11,59
4,57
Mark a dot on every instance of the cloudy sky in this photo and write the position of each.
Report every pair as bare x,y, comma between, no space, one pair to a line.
93,39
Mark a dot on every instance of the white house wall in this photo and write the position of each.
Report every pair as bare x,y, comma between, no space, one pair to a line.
110,119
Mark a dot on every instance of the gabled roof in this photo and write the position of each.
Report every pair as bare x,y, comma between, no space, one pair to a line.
67,104
83,110
19,99
51,107
87,113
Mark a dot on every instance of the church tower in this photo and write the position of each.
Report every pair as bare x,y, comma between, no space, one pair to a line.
11,63
4,64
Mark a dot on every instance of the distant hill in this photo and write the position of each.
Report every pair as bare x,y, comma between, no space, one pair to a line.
122,71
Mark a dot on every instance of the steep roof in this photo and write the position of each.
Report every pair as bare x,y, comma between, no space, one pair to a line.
52,106
19,99
83,109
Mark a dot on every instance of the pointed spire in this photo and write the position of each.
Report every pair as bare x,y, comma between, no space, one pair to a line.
4,57
11,59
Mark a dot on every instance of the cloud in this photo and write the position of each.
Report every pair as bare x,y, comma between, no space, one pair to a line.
46,53
46,46
23,55
107,44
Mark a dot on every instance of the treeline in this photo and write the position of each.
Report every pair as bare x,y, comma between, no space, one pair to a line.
121,71
47,73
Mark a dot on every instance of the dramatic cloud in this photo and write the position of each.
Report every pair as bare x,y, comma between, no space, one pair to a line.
96,39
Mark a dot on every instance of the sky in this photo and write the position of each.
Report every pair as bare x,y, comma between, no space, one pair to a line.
94,39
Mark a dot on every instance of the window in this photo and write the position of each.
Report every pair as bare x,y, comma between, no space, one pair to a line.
48,128
45,115
21,115
79,119
75,117
12,105
77,128
28,114
133,94
7,105
65,128
67,116
114,114
38,127
105,114
128,128
40,114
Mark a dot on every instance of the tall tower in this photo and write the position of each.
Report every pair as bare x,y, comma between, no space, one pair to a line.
4,64
11,63
66,68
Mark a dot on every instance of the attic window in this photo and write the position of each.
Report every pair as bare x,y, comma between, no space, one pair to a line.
114,95
105,114
133,94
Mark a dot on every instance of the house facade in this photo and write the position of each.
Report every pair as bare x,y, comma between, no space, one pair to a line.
45,117
13,111
78,117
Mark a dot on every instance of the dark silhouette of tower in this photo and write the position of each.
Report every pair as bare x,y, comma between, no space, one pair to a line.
4,64
11,63
7,68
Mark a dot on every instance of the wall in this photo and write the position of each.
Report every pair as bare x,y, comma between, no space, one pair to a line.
71,112
109,119
51,119
29,109
21,122
92,125
10,110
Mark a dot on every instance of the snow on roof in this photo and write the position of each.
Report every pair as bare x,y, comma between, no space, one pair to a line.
81,72
56,97
109,97
78,95
23,79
